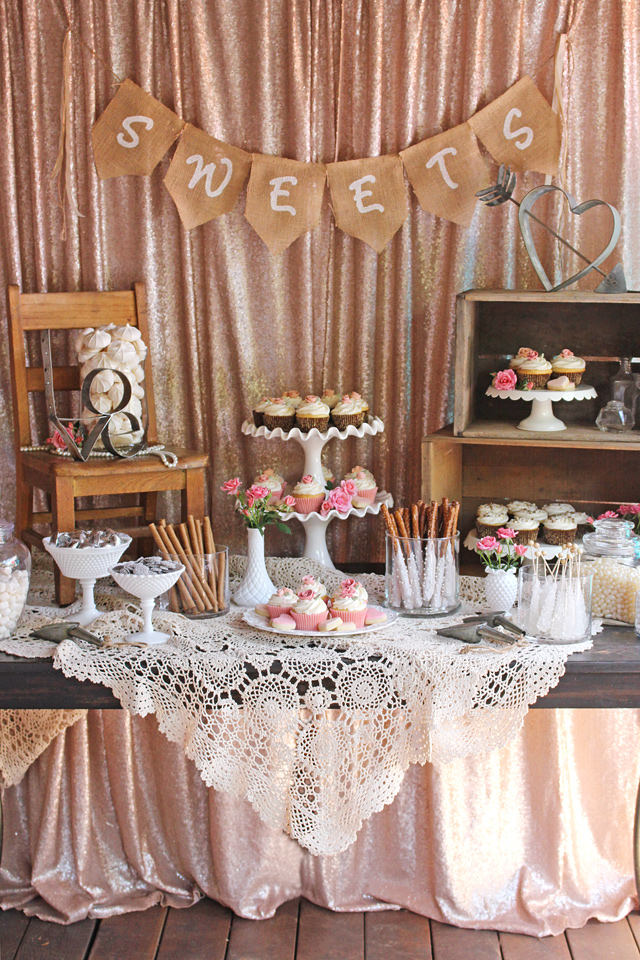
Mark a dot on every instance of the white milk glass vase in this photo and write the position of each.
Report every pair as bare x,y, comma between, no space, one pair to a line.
256,586
500,588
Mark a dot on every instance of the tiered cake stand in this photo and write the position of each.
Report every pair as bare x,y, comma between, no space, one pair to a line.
312,443
542,418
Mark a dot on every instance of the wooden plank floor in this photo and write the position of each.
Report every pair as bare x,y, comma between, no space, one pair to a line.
299,931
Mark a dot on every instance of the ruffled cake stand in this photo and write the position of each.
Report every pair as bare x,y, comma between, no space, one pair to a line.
314,524
542,418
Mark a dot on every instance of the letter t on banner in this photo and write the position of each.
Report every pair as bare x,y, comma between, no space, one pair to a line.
133,133
284,199
446,172
520,129
369,198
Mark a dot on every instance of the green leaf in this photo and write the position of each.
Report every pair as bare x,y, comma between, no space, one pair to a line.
282,526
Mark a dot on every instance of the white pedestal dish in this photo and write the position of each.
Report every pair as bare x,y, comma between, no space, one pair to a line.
146,589
542,418
86,564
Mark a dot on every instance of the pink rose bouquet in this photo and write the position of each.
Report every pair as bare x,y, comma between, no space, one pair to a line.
631,511
257,506
338,499
505,380
502,553
57,440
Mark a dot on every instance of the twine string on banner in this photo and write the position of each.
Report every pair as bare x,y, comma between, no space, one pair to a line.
62,166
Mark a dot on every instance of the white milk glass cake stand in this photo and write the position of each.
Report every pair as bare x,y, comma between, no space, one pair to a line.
86,564
314,524
146,589
542,418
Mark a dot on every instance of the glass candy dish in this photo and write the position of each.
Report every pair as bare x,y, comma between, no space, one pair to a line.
146,587
612,538
15,571
615,418
87,564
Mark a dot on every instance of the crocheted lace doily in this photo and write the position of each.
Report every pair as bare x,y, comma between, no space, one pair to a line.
317,734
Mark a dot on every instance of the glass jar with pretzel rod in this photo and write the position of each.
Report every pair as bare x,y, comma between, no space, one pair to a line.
422,558
202,591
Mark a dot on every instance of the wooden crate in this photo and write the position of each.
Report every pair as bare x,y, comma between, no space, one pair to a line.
492,324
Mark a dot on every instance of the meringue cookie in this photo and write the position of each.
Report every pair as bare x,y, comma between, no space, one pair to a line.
103,381
100,362
121,351
102,403
98,340
79,342
127,333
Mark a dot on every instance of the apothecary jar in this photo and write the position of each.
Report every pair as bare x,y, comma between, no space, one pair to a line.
15,573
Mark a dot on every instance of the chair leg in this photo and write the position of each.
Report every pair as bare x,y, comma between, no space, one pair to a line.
63,518
193,494
146,546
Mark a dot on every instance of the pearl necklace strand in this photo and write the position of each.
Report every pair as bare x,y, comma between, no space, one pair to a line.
168,458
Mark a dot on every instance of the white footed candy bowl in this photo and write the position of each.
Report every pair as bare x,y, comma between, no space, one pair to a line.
86,564
146,589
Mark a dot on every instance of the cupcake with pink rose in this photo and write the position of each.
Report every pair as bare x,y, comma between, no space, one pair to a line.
279,413
360,590
309,611
357,469
348,605
505,380
281,602
309,582
366,486
523,354
308,494
566,364
294,398
259,409
534,373
330,397
274,483
311,413
348,411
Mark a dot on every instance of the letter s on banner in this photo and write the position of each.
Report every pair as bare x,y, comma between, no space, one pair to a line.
512,134
149,130
193,191
277,192
265,195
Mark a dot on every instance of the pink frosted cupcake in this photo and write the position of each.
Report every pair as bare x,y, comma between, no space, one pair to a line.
350,607
308,494
274,483
365,485
309,611
281,602
318,588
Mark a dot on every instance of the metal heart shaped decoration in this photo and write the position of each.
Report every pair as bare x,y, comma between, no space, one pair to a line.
578,209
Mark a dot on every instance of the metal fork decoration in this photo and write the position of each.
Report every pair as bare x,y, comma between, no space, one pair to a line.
502,192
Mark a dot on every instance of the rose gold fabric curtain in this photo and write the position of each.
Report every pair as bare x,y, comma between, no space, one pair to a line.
311,80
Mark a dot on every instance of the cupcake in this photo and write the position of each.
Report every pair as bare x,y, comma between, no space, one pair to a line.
311,413
330,397
308,494
488,524
281,602
309,611
347,411
534,371
523,354
556,509
521,506
568,365
273,482
294,398
279,413
560,530
525,528
560,383
348,606
316,586
359,589
356,470
329,476
366,486
539,515
583,520
363,402
489,508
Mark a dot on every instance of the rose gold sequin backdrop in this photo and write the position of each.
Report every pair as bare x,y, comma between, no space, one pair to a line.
316,80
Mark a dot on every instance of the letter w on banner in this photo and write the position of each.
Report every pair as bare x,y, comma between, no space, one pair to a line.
520,129
284,199
133,134
205,176
369,198
446,172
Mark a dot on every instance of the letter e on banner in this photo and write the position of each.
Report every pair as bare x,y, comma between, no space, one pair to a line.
205,176
520,129
284,199
369,198
133,134
445,172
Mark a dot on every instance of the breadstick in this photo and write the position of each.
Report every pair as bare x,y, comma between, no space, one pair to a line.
165,551
210,547
415,521
207,593
194,584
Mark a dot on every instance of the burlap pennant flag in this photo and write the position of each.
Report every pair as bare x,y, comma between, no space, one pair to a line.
133,134
369,198
446,171
284,199
520,129
205,176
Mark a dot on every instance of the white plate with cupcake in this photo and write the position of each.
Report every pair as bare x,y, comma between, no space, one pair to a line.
263,623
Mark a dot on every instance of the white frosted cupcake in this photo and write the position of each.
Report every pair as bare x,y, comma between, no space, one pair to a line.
272,481
311,413
308,494
539,515
583,521
279,413
281,602
356,470
349,606
330,397
362,401
358,588
309,611
346,412
566,364
518,506
365,485
316,586
329,476
533,373
556,509
489,523
294,398
525,528
523,354
560,530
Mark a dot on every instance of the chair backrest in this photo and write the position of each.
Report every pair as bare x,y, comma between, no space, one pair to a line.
68,311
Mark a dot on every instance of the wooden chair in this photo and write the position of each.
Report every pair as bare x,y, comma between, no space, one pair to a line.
63,478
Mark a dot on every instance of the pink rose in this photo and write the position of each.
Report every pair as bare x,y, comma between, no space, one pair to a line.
566,353
311,398
590,519
499,549
57,440
325,508
487,543
505,380
348,592
308,578
340,500
348,582
258,492
608,515
263,477
520,549
282,592
633,508
506,533
250,498
289,501
246,512
307,478
355,396
232,486
533,354
349,488
306,595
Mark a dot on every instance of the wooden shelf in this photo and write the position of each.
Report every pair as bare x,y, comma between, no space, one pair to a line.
539,296
576,435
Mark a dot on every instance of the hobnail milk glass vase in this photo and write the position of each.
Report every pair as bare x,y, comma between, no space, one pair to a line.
500,589
256,586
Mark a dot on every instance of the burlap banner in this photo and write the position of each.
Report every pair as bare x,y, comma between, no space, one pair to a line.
133,134
284,199
205,176
369,198
520,129
446,172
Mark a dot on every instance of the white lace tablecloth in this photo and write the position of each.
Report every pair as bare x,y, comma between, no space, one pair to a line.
318,734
